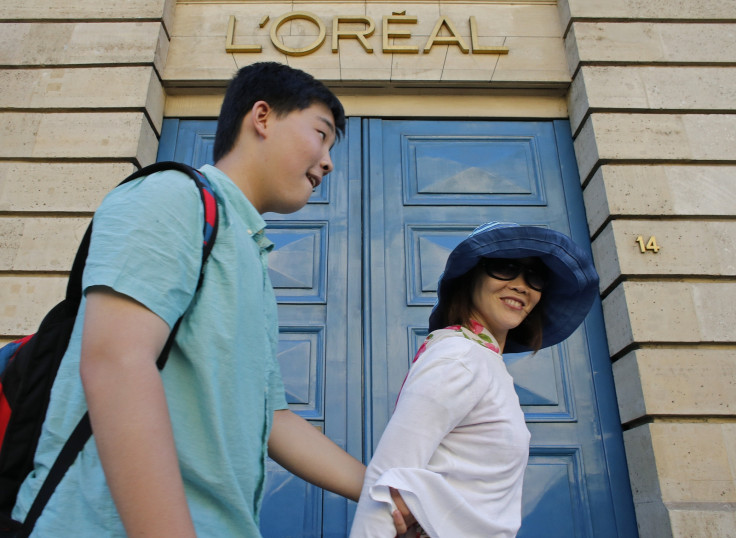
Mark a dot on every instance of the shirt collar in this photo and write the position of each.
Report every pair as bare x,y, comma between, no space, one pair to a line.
254,221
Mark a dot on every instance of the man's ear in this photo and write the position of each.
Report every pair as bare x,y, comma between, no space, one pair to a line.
260,117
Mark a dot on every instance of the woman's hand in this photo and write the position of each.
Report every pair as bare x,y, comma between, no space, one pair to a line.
403,518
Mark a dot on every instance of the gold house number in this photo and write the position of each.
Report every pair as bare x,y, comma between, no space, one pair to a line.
650,245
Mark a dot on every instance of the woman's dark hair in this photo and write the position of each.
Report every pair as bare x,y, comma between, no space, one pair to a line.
284,88
459,311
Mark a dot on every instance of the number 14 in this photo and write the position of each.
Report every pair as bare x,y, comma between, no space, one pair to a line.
650,245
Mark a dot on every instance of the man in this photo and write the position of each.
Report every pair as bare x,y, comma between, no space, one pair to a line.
182,452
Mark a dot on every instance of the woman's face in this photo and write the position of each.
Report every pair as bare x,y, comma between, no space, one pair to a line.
501,305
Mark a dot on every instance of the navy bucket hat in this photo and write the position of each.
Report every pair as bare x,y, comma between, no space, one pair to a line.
568,295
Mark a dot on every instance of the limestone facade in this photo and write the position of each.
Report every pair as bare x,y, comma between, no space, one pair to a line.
649,87
651,110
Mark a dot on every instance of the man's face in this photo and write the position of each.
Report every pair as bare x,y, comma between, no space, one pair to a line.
298,156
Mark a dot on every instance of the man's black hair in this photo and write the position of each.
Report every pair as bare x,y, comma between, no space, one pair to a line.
284,88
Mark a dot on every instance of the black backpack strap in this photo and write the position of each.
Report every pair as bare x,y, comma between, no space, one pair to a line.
83,431
74,285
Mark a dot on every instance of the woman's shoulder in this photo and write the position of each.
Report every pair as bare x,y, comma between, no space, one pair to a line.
465,352
460,343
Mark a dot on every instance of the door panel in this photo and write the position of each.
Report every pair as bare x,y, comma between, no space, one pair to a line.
355,274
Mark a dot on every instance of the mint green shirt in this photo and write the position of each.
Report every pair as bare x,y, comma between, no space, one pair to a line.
222,379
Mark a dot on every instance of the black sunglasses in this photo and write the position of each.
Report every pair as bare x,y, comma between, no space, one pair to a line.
535,273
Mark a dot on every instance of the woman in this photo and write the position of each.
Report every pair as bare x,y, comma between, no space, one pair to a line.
457,445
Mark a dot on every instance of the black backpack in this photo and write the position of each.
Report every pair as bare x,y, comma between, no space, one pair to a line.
28,368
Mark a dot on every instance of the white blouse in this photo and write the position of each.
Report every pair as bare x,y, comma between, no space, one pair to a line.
456,448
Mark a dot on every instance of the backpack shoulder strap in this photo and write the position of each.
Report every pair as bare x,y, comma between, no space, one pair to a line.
83,431
74,284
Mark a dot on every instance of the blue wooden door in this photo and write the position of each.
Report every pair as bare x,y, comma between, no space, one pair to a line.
355,274
430,184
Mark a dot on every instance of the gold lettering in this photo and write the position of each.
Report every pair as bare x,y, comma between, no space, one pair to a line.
453,39
355,34
301,51
477,49
390,35
398,19
230,45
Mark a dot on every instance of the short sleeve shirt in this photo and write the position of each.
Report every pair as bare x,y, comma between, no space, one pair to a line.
222,378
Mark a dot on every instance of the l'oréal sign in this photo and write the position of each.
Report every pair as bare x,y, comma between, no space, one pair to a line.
396,34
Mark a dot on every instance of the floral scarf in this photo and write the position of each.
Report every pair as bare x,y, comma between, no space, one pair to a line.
477,333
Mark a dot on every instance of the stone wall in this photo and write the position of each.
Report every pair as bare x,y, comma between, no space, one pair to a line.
652,111
81,106
651,87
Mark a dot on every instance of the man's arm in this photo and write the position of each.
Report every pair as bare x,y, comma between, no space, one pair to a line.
120,344
301,449
297,446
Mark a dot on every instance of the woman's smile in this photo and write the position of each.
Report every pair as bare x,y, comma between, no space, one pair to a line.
501,305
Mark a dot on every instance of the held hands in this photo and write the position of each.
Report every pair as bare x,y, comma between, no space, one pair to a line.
403,518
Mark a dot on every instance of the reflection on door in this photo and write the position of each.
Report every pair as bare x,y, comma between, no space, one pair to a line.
355,274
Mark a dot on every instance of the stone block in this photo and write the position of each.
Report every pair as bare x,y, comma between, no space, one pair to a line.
639,88
654,137
629,392
58,187
470,67
200,19
197,105
660,191
538,60
675,463
167,15
82,43
652,519
675,381
84,9
607,263
83,88
496,19
729,434
323,64
647,9
419,67
25,300
642,465
686,249
427,15
650,42
651,514
358,65
39,243
203,59
114,135
704,520
669,312
692,463
492,106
